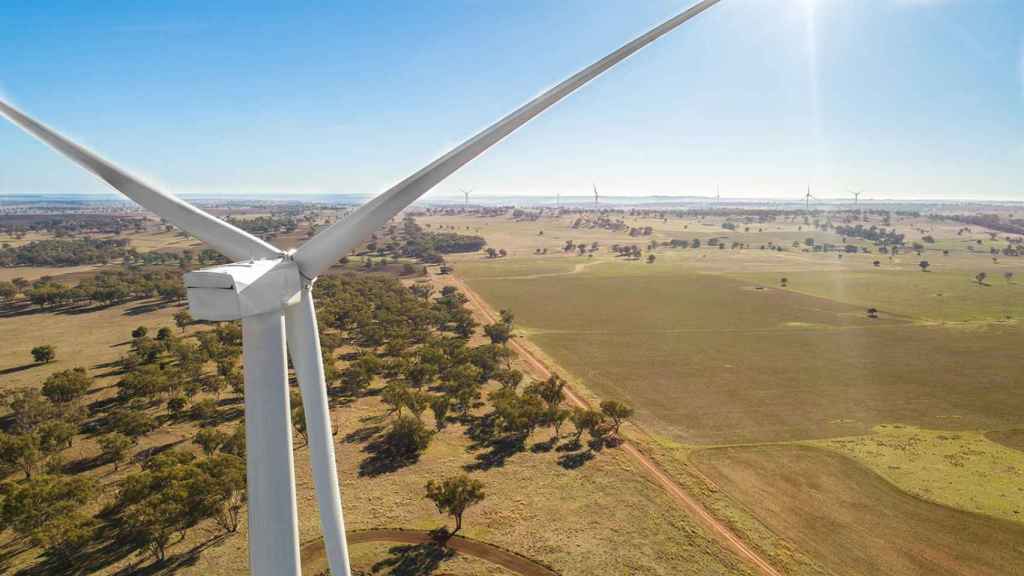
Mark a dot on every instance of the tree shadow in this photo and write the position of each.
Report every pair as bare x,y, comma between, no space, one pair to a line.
363,434
413,559
574,460
16,369
385,458
498,446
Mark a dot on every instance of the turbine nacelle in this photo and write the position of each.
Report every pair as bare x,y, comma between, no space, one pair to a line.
242,289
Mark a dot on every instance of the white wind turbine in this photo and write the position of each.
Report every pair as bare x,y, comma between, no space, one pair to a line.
270,291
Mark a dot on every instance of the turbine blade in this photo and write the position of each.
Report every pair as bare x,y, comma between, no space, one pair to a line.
320,252
225,238
304,345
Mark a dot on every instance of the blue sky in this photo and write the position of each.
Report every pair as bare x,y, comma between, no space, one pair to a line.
899,98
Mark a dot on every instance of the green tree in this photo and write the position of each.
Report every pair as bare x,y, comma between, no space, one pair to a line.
454,495
182,319
115,446
407,437
980,277
43,354
439,405
210,439
20,451
140,332
55,435
132,423
498,333
67,386
29,408
47,510
617,411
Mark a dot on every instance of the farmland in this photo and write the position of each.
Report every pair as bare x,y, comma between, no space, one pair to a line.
891,379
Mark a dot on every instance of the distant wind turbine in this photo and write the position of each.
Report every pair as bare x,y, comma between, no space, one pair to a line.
807,199
270,291
465,192
595,195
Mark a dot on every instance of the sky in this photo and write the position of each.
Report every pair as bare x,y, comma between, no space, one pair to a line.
908,99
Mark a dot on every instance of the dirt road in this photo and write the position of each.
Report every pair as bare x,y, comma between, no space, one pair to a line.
686,502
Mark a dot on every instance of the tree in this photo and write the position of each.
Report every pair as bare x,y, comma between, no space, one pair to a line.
924,265
176,405
980,277
55,435
872,312
20,451
164,333
586,420
115,446
29,408
140,332
210,439
132,423
226,483
407,437
1008,276
43,354
182,319
617,411
439,405
498,333
67,385
47,509
7,290
454,495
650,258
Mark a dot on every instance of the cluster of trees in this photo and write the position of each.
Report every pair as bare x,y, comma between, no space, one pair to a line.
266,226
166,378
63,252
417,346
107,287
880,236
429,246
412,343
70,224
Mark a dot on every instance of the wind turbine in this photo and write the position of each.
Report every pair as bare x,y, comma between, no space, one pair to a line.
595,195
856,196
465,192
807,199
270,291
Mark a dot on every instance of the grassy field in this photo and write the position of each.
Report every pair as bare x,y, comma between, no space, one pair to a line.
963,470
854,521
709,359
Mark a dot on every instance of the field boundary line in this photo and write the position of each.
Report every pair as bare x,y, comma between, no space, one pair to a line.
684,500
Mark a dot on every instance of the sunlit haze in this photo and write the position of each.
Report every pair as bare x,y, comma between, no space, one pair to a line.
899,98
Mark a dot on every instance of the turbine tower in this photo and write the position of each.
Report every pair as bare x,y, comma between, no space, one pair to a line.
595,196
270,291
465,192
856,197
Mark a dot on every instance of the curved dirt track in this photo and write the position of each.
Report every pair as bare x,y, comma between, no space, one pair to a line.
686,502
482,550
